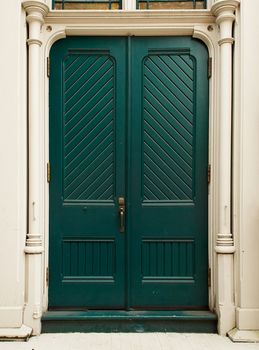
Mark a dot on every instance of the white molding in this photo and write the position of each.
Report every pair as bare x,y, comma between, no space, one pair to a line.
115,17
147,23
210,38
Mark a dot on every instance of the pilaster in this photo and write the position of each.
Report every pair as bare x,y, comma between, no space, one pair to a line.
36,11
224,10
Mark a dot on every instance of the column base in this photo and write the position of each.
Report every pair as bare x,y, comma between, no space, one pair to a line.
225,293
33,305
15,334
226,319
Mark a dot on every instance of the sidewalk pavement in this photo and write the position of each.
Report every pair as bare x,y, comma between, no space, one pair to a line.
128,341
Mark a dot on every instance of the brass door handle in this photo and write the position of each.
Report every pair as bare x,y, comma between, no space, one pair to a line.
121,201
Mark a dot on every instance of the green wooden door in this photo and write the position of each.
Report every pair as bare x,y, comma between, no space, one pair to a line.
168,174
128,118
87,156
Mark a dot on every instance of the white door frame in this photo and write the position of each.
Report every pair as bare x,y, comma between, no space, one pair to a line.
214,28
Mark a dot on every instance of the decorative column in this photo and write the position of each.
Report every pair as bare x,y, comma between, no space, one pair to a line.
36,11
224,10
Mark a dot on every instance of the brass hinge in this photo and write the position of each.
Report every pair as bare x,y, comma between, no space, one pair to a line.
47,276
48,171
209,67
209,174
209,277
48,66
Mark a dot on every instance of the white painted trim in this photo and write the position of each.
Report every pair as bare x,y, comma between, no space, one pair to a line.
211,42
169,18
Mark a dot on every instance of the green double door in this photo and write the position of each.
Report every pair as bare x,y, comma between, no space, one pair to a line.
128,190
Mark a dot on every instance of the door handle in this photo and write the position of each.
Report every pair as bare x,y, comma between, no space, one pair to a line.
122,212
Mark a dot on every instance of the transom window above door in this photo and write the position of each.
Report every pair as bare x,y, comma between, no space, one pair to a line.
118,4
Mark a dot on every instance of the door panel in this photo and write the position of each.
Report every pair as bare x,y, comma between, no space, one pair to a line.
168,174
87,154
128,118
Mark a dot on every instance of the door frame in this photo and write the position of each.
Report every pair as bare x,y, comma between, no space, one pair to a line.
215,28
75,42
205,32
198,24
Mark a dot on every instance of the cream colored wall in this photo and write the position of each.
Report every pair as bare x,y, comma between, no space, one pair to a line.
13,185
246,161
13,163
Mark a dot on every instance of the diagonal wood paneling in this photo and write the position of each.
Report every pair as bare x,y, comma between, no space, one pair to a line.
168,128
88,127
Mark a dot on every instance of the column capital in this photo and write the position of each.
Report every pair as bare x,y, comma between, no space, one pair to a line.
36,11
224,10
224,6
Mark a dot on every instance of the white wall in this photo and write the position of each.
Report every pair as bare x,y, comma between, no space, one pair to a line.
13,162
246,160
13,179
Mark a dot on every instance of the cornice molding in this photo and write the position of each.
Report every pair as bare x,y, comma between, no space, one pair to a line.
123,17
